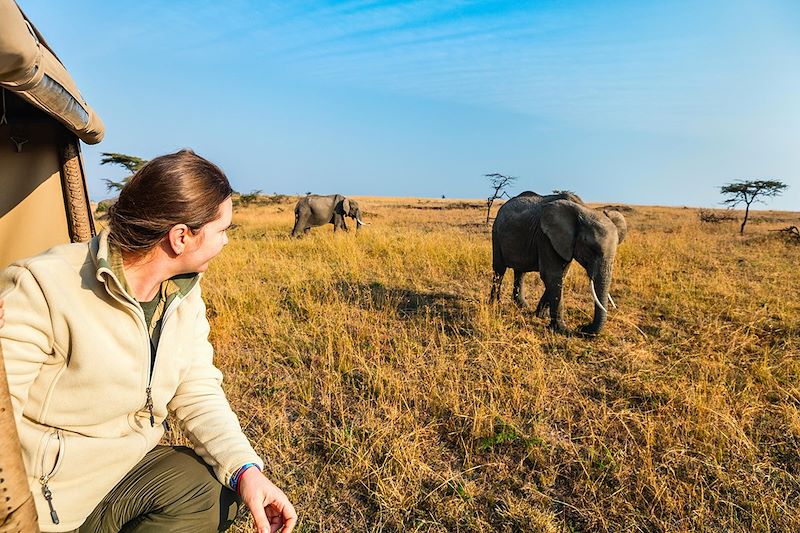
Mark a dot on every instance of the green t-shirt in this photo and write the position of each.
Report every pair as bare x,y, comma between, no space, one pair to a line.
149,309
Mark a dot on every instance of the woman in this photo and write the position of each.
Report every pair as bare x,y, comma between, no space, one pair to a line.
102,340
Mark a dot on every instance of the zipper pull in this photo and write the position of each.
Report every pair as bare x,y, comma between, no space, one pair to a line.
149,405
48,495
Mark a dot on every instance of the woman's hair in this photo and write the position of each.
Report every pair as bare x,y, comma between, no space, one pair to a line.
179,188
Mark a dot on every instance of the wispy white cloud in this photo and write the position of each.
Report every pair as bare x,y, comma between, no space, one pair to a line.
516,59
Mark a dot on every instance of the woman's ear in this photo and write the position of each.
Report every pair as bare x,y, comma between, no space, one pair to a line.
178,238
559,222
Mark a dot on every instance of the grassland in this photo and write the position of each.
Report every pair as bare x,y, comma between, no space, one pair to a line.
386,394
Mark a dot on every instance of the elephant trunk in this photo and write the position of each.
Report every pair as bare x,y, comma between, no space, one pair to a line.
594,295
359,222
296,230
600,283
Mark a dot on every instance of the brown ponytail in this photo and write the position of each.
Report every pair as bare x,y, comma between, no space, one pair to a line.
179,188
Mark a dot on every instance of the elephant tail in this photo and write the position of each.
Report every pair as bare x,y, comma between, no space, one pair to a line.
498,264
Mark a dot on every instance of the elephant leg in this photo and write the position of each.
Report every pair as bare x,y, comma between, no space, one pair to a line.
519,288
338,223
497,281
542,306
553,279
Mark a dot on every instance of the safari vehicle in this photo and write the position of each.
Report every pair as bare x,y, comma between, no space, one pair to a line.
43,195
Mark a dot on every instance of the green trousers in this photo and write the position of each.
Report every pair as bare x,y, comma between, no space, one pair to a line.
170,490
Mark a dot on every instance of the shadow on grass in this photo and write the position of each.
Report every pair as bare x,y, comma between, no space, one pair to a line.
450,308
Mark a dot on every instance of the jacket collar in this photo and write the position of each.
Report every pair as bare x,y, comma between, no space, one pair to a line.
103,255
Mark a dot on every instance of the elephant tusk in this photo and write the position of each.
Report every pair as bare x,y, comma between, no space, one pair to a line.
594,295
361,222
610,299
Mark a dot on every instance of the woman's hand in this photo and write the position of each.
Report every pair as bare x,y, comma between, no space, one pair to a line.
270,507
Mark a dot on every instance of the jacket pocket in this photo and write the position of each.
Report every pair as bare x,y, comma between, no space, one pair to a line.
49,465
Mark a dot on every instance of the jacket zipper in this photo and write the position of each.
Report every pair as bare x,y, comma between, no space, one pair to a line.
148,402
45,478
152,359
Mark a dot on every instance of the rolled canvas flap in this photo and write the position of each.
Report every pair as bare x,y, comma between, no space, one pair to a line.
29,68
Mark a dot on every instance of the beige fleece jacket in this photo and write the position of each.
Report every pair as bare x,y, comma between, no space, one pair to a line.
77,355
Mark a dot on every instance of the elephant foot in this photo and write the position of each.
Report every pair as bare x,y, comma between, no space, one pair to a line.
558,327
542,310
522,303
589,330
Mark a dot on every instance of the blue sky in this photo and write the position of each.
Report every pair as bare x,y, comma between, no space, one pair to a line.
643,102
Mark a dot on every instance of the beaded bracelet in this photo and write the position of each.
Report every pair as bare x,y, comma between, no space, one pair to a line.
238,474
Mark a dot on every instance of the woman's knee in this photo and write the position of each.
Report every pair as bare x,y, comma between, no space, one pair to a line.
204,498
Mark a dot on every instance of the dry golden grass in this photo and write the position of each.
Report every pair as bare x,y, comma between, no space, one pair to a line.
387,395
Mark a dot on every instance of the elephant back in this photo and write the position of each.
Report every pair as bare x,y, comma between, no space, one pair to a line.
518,211
529,194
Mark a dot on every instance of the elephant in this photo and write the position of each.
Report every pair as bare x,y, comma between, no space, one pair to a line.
534,233
315,210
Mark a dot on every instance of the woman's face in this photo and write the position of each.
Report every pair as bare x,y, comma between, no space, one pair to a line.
208,242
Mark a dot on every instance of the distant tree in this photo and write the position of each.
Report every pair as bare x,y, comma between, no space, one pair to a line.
130,162
247,199
564,191
498,183
708,215
749,191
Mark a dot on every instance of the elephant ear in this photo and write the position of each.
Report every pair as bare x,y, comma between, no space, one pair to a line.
559,222
337,203
619,221
346,206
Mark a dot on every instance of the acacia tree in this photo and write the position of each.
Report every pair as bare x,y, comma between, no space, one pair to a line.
498,182
130,162
749,191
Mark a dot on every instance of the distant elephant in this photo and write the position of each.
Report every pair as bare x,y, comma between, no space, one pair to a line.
315,210
534,233
101,210
104,205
